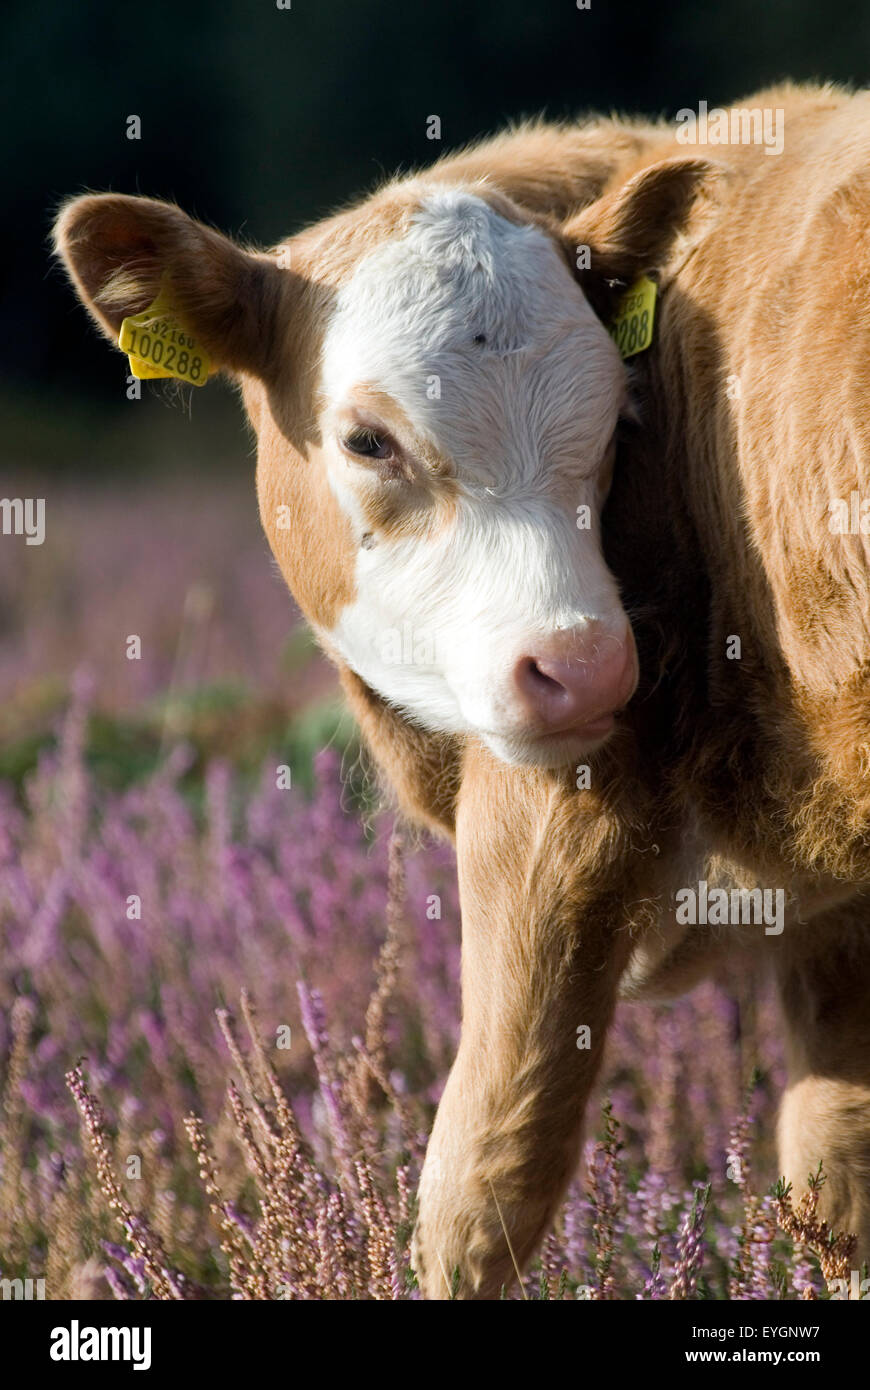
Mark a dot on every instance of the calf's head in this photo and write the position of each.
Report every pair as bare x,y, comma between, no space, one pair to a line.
435,400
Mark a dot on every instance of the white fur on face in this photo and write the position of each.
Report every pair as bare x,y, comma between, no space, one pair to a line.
524,419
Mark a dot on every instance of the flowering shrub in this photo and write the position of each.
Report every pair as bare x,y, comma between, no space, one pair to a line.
227,1007
275,1153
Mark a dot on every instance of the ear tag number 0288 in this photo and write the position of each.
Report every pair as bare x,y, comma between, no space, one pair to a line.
158,346
632,326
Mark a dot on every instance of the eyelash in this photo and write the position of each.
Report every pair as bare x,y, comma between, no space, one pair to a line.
365,443
361,443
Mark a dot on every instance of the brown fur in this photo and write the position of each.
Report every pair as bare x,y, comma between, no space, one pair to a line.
749,771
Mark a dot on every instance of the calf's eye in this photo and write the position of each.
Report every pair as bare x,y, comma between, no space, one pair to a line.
369,444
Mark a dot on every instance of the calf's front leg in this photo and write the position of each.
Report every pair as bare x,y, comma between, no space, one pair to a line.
545,889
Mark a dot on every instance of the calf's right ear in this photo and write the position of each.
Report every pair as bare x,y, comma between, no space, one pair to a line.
121,251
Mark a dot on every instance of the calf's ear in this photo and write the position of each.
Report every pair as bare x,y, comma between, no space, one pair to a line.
120,251
632,230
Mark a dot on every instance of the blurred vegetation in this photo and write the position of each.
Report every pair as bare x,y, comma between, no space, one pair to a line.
259,119
232,722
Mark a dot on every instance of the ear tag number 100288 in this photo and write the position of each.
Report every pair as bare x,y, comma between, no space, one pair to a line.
632,325
159,346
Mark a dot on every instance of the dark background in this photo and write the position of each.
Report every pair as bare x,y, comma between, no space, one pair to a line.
259,120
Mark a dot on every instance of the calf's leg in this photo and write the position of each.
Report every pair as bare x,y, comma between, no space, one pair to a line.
544,881
825,1113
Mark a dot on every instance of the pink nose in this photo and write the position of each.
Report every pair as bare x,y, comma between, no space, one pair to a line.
577,679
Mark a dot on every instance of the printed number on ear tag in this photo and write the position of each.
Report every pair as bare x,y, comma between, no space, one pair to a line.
158,346
632,325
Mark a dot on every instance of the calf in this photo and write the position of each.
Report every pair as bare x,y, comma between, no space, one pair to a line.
438,406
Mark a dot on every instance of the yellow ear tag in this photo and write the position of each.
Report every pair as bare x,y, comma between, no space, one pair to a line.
158,346
632,325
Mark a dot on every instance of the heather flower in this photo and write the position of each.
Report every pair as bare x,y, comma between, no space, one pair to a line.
690,1252
136,922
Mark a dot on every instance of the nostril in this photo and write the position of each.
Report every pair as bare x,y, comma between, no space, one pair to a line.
540,679
574,680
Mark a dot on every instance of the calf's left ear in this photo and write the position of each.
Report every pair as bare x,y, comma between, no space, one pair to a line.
632,230
121,251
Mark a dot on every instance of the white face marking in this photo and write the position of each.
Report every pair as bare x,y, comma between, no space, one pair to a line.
525,420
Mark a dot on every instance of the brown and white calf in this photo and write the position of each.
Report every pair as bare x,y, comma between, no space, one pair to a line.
437,404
